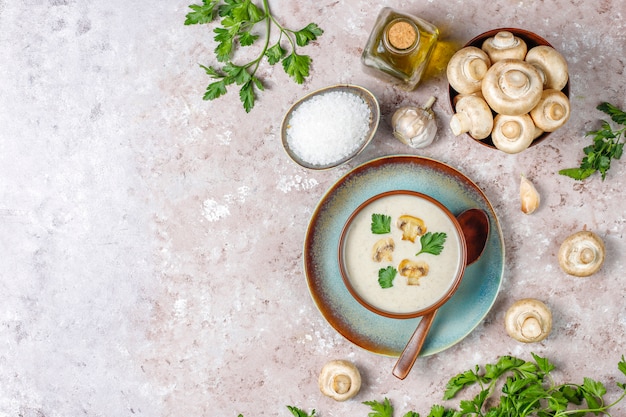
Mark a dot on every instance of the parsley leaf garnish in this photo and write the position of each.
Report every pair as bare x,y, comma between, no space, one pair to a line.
381,224
297,412
432,243
379,409
386,276
607,145
201,13
297,66
237,19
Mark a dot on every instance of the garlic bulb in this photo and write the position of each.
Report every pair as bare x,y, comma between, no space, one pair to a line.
415,126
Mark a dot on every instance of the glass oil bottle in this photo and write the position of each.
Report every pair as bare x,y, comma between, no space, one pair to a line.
399,47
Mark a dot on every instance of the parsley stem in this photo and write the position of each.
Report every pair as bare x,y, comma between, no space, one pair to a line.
284,31
268,31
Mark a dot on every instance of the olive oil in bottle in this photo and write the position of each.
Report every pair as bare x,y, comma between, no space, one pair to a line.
399,47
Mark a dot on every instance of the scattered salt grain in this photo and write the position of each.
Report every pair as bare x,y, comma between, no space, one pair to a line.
328,127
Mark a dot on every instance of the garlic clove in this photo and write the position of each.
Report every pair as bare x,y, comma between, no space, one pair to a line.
415,126
529,196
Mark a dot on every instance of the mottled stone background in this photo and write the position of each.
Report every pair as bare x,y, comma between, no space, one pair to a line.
151,242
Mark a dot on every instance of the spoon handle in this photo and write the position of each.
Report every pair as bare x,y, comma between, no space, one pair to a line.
413,347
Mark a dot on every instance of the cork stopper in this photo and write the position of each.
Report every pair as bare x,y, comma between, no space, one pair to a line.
402,35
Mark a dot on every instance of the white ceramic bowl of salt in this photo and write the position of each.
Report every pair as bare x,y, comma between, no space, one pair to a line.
330,126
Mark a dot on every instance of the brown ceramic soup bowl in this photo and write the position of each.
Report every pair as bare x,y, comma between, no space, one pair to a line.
392,258
532,40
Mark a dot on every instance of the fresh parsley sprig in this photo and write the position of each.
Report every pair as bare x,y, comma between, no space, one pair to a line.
381,224
607,145
526,389
432,243
386,276
237,19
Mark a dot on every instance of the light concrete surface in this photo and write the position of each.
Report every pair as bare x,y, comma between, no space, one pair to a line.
151,242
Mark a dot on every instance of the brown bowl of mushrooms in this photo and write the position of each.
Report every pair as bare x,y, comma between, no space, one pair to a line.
509,89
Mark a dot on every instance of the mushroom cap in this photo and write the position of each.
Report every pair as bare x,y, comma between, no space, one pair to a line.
551,65
512,134
528,320
552,111
339,380
472,116
512,87
466,69
538,132
458,97
504,45
581,254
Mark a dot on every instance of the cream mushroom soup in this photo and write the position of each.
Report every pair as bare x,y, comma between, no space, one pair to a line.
361,266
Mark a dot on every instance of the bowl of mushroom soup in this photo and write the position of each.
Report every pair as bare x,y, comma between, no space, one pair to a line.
402,254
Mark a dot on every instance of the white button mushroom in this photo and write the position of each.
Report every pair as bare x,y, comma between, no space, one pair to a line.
504,45
512,87
581,254
512,134
552,111
472,116
466,69
528,320
551,65
340,380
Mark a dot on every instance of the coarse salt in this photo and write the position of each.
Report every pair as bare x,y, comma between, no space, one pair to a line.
328,127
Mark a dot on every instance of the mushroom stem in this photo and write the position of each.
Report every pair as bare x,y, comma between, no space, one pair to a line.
504,45
512,134
341,383
473,115
530,326
587,256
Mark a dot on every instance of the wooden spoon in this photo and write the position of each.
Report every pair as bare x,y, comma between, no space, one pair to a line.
475,226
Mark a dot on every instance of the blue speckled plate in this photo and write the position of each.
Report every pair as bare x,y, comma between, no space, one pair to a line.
378,334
